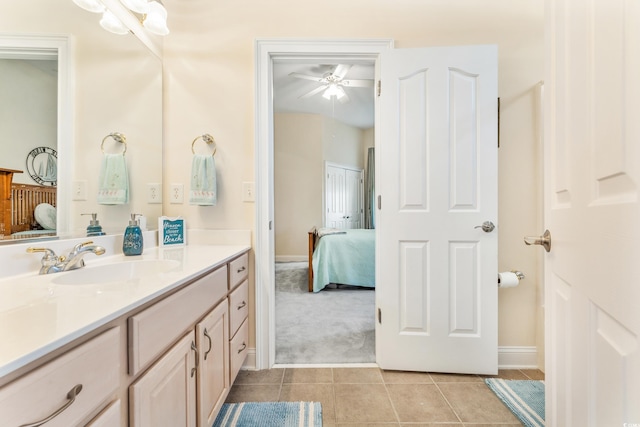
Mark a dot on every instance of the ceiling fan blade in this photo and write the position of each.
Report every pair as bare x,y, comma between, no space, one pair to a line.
341,71
357,83
313,92
307,77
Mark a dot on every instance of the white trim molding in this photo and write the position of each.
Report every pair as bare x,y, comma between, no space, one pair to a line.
517,357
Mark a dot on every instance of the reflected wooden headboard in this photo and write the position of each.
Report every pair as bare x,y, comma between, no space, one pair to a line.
24,199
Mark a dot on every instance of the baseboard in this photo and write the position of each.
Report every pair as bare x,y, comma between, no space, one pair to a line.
291,258
517,357
250,362
511,357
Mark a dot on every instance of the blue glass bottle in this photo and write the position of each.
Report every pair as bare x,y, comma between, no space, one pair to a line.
132,243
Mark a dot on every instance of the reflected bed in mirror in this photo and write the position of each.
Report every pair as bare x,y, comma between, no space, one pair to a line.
102,83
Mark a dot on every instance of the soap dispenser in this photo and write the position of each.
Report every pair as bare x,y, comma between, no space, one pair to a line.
132,243
94,228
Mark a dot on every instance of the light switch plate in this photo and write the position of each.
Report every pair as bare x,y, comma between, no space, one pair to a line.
248,192
177,194
79,190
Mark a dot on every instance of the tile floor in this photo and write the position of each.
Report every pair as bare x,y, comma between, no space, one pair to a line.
371,397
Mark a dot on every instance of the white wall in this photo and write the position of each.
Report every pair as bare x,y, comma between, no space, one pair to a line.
209,64
28,97
302,145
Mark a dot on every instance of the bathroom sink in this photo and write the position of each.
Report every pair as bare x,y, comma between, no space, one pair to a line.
116,272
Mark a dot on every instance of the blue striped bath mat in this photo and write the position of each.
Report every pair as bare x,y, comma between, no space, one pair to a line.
525,398
270,414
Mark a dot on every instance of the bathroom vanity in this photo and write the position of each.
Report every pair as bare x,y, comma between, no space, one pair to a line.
155,341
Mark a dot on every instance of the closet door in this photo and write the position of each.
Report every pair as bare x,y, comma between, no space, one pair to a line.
353,198
343,197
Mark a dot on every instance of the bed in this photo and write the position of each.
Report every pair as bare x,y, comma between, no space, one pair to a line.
347,258
26,199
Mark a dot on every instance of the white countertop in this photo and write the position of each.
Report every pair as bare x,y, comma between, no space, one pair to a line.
38,316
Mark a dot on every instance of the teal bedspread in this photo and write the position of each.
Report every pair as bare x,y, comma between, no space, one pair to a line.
347,259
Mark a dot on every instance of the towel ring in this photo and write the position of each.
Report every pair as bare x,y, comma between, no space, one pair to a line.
117,137
206,138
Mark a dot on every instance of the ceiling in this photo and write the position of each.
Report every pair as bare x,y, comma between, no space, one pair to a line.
357,112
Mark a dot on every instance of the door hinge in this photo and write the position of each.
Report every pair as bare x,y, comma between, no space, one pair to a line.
270,224
379,87
379,202
379,315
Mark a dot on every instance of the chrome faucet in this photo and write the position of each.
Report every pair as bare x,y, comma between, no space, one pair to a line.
51,263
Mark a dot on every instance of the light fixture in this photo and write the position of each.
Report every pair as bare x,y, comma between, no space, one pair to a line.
94,6
138,6
156,19
111,23
333,90
151,14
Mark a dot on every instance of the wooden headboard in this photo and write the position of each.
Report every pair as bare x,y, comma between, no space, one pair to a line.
313,239
24,199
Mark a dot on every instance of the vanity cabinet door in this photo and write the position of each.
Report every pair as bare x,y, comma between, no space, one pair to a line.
212,336
165,396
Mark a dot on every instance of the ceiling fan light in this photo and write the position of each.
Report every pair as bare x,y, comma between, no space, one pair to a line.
138,6
94,6
333,90
156,19
112,24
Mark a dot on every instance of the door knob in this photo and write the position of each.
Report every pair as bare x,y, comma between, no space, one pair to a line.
486,226
544,240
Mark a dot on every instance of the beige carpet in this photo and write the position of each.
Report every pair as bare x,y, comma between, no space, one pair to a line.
335,325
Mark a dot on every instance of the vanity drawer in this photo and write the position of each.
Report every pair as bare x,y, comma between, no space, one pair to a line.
238,307
95,365
153,330
110,417
238,270
238,347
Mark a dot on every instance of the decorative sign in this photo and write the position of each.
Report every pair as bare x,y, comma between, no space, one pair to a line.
42,165
172,231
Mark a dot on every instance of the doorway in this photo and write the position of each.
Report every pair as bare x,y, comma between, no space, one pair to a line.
266,53
321,141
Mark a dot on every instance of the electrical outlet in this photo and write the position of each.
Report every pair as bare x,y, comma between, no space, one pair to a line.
154,193
177,193
79,190
248,192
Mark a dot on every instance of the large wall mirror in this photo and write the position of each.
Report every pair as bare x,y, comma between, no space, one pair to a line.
80,84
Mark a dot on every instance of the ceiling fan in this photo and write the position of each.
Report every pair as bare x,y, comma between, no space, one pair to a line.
333,83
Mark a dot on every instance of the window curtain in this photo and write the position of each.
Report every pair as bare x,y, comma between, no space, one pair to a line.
370,190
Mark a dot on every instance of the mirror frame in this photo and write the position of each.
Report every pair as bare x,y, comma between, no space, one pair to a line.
30,46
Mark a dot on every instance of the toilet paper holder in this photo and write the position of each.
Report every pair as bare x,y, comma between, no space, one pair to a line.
519,274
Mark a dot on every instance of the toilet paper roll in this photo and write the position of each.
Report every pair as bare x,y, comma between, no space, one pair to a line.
507,279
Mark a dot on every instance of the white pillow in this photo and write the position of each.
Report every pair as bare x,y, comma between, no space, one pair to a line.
45,215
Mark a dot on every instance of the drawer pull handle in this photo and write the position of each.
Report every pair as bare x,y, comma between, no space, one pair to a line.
206,334
241,269
194,348
244,345
242,305
72,398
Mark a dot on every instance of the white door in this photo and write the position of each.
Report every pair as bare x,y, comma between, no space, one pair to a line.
437,162
343,197
592,209
353,198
